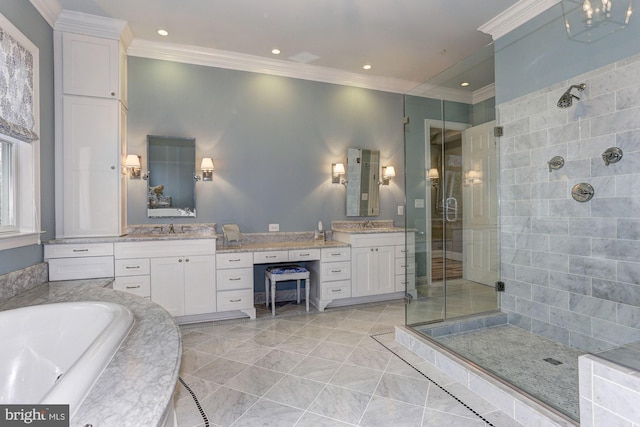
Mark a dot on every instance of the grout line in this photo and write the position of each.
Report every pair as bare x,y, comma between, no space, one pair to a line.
432,381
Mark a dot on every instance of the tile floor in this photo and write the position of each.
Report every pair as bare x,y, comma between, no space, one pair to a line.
337,368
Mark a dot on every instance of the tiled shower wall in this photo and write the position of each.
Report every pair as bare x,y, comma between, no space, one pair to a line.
571,269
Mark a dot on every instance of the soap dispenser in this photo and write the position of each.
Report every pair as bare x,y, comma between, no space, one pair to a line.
319,233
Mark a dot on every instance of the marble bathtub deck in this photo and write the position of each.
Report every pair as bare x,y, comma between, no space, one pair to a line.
337,368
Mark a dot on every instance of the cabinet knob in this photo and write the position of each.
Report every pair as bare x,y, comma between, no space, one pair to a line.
179,259
186,260
376,249
113,94
113,167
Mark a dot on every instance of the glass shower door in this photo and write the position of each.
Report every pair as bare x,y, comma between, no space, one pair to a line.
452,206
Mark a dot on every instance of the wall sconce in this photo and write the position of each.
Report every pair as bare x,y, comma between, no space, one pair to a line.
132,163
206,166
473,177
337,172
388,172
434,176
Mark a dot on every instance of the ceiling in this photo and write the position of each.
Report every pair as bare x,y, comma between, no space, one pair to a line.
408,41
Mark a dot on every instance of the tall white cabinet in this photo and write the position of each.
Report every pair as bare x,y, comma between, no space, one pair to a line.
91,119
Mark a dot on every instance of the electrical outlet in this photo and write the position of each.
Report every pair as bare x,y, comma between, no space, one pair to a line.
400,210
274,227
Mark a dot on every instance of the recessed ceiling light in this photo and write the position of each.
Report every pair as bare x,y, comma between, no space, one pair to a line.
367,67
163,32
464,84
275,51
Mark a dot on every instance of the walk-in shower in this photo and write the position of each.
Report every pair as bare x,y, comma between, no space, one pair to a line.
567,98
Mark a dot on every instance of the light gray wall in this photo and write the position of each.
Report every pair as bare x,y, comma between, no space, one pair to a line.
272,140
27,19
572,270
539,53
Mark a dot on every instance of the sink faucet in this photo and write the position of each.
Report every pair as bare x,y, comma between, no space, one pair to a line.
171,230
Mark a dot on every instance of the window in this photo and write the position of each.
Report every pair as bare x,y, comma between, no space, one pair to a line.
19,145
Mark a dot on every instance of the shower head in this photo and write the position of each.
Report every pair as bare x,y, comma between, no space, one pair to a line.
566,99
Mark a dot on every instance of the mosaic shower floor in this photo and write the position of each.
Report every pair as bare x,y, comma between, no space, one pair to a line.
519,357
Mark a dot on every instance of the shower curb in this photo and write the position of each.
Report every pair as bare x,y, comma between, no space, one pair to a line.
521,408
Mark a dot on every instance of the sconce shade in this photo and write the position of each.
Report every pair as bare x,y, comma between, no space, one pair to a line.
132,161
433,173
389,171
206,164
339,169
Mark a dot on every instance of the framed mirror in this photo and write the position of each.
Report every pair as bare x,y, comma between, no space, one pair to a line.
171,171
363,174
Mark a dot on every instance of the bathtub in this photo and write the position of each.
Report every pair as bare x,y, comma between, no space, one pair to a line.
54,353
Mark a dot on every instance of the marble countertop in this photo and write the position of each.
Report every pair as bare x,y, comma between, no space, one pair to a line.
278,246
370,230
138,384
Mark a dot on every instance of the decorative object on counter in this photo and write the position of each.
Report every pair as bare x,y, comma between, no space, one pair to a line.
388,172
337,173
582,192
555,163
284,273
320,234
206,166
567,98
612,155
231,232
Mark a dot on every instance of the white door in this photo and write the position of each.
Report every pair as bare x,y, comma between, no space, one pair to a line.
384,267
480,200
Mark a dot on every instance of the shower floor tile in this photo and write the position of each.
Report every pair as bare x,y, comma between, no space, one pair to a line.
519,357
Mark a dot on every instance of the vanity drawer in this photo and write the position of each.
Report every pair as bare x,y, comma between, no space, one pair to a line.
75,250
235,300
234,260
270,256
139,285
304,254
336,290
80,268
407,282
402,250
336,271
234,278
336,254
401,263
132,267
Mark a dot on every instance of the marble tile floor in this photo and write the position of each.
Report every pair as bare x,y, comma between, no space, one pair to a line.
337,368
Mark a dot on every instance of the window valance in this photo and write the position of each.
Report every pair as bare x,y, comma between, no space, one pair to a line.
16,89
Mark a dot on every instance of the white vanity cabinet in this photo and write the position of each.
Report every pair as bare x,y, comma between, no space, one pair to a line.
234,281
181,273
374,264
90,140
331,276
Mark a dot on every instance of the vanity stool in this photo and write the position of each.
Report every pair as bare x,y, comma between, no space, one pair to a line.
282,273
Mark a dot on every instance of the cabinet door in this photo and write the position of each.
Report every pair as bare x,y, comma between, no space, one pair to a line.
90,66
199,284
384,266
91,167
362,272
167,284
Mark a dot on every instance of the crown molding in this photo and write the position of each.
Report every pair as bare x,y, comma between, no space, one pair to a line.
48,9
93,25
516,15
234,61
484,93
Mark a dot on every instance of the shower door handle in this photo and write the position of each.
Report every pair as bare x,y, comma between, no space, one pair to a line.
451,205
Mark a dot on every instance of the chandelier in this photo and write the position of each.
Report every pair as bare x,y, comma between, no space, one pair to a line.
589,20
